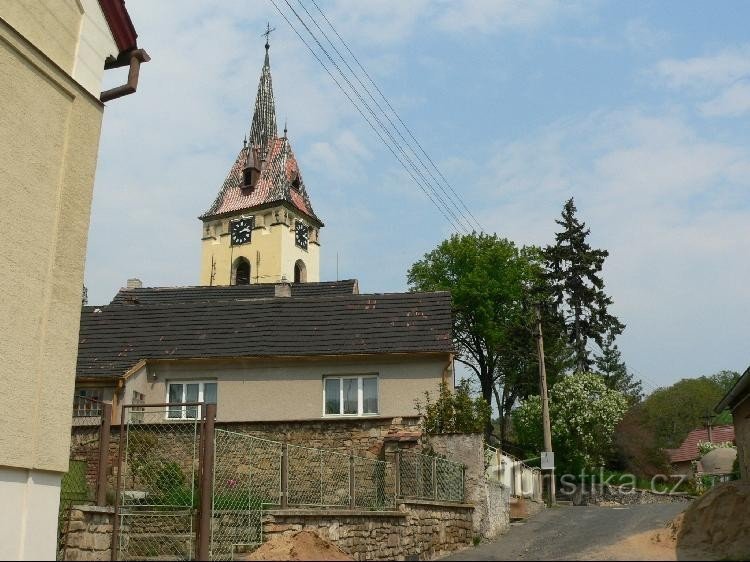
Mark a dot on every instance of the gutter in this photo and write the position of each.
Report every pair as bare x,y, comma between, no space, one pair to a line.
731,399
135,58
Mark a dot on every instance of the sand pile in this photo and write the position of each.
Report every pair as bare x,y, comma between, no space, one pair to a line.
302,545
718,523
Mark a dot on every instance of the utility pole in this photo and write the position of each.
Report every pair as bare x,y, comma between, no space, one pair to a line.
545,403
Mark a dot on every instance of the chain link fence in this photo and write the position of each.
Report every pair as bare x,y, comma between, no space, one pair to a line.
157,483
247,478
74,490
318,478
429,477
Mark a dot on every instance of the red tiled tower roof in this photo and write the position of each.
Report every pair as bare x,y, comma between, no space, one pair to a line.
280,180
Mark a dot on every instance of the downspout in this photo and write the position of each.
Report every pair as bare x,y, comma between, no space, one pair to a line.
137,56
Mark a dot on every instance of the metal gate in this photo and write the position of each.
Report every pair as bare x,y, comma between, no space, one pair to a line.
246,479
157,482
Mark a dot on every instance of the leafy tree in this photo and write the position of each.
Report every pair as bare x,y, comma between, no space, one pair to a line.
583,412
574,274
674,411
616,376
486,277
636,448
454,412
493,285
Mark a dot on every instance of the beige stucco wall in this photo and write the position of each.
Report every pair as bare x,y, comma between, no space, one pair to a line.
52,57
49,131
273,240
741,417
72,33
281,389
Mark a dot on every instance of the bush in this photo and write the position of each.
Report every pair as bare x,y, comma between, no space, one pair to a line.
454,412
170,486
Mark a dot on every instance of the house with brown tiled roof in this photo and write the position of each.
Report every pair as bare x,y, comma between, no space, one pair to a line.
267,353
261,226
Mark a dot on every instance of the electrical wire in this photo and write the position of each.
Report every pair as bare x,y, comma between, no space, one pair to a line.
448,213
388,118
398,117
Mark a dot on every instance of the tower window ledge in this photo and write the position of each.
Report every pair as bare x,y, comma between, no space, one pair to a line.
208,238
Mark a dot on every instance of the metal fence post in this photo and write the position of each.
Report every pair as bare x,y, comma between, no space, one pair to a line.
206,479
285,476
116,523
434,478
101,478
397,472
352,499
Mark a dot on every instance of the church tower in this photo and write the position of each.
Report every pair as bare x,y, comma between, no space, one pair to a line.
261,228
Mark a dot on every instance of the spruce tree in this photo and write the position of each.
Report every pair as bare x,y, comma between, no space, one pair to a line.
573,272
609,364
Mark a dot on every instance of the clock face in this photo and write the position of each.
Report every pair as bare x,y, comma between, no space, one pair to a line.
241,230
301,234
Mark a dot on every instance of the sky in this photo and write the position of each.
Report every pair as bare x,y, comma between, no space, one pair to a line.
638,110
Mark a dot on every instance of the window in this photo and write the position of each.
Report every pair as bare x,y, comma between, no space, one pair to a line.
87,402
241,271
136,412
186,392
300,272
350,396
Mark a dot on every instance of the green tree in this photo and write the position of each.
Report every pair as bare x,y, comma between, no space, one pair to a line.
584,414
492,283
674,411
573,272
486,278
609,364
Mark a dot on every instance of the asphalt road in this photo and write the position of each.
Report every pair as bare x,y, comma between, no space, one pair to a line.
566,533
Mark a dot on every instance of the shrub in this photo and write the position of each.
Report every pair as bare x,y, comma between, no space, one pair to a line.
454,412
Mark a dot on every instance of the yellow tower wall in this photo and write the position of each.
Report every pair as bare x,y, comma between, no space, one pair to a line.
273,238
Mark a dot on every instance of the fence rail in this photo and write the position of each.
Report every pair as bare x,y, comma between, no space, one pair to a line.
521,479
429,477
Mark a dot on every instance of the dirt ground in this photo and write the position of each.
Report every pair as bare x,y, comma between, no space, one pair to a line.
656,544
302,545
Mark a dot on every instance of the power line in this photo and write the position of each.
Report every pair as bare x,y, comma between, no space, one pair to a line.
413,171
380,123
388,103
314,54
385,113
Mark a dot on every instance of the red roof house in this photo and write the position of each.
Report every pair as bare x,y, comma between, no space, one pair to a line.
688,450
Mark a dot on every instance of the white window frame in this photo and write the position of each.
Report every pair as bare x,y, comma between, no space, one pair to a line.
183,409
360,395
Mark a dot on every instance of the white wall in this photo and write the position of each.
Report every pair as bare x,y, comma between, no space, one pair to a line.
28,518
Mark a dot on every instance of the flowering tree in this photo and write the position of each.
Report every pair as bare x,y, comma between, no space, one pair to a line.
583,412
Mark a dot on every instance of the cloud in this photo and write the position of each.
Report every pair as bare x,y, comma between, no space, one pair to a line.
493,16
732,102
639,34
707,72
669,203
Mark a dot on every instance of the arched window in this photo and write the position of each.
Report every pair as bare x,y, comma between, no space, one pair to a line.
300,272
241,272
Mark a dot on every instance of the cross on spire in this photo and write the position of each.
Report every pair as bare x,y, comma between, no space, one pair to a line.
267,33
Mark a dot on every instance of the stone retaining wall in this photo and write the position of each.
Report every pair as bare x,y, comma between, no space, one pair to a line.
598,494
419,529
89,533
491,515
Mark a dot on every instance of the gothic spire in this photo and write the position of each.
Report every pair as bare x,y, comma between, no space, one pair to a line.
263,126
